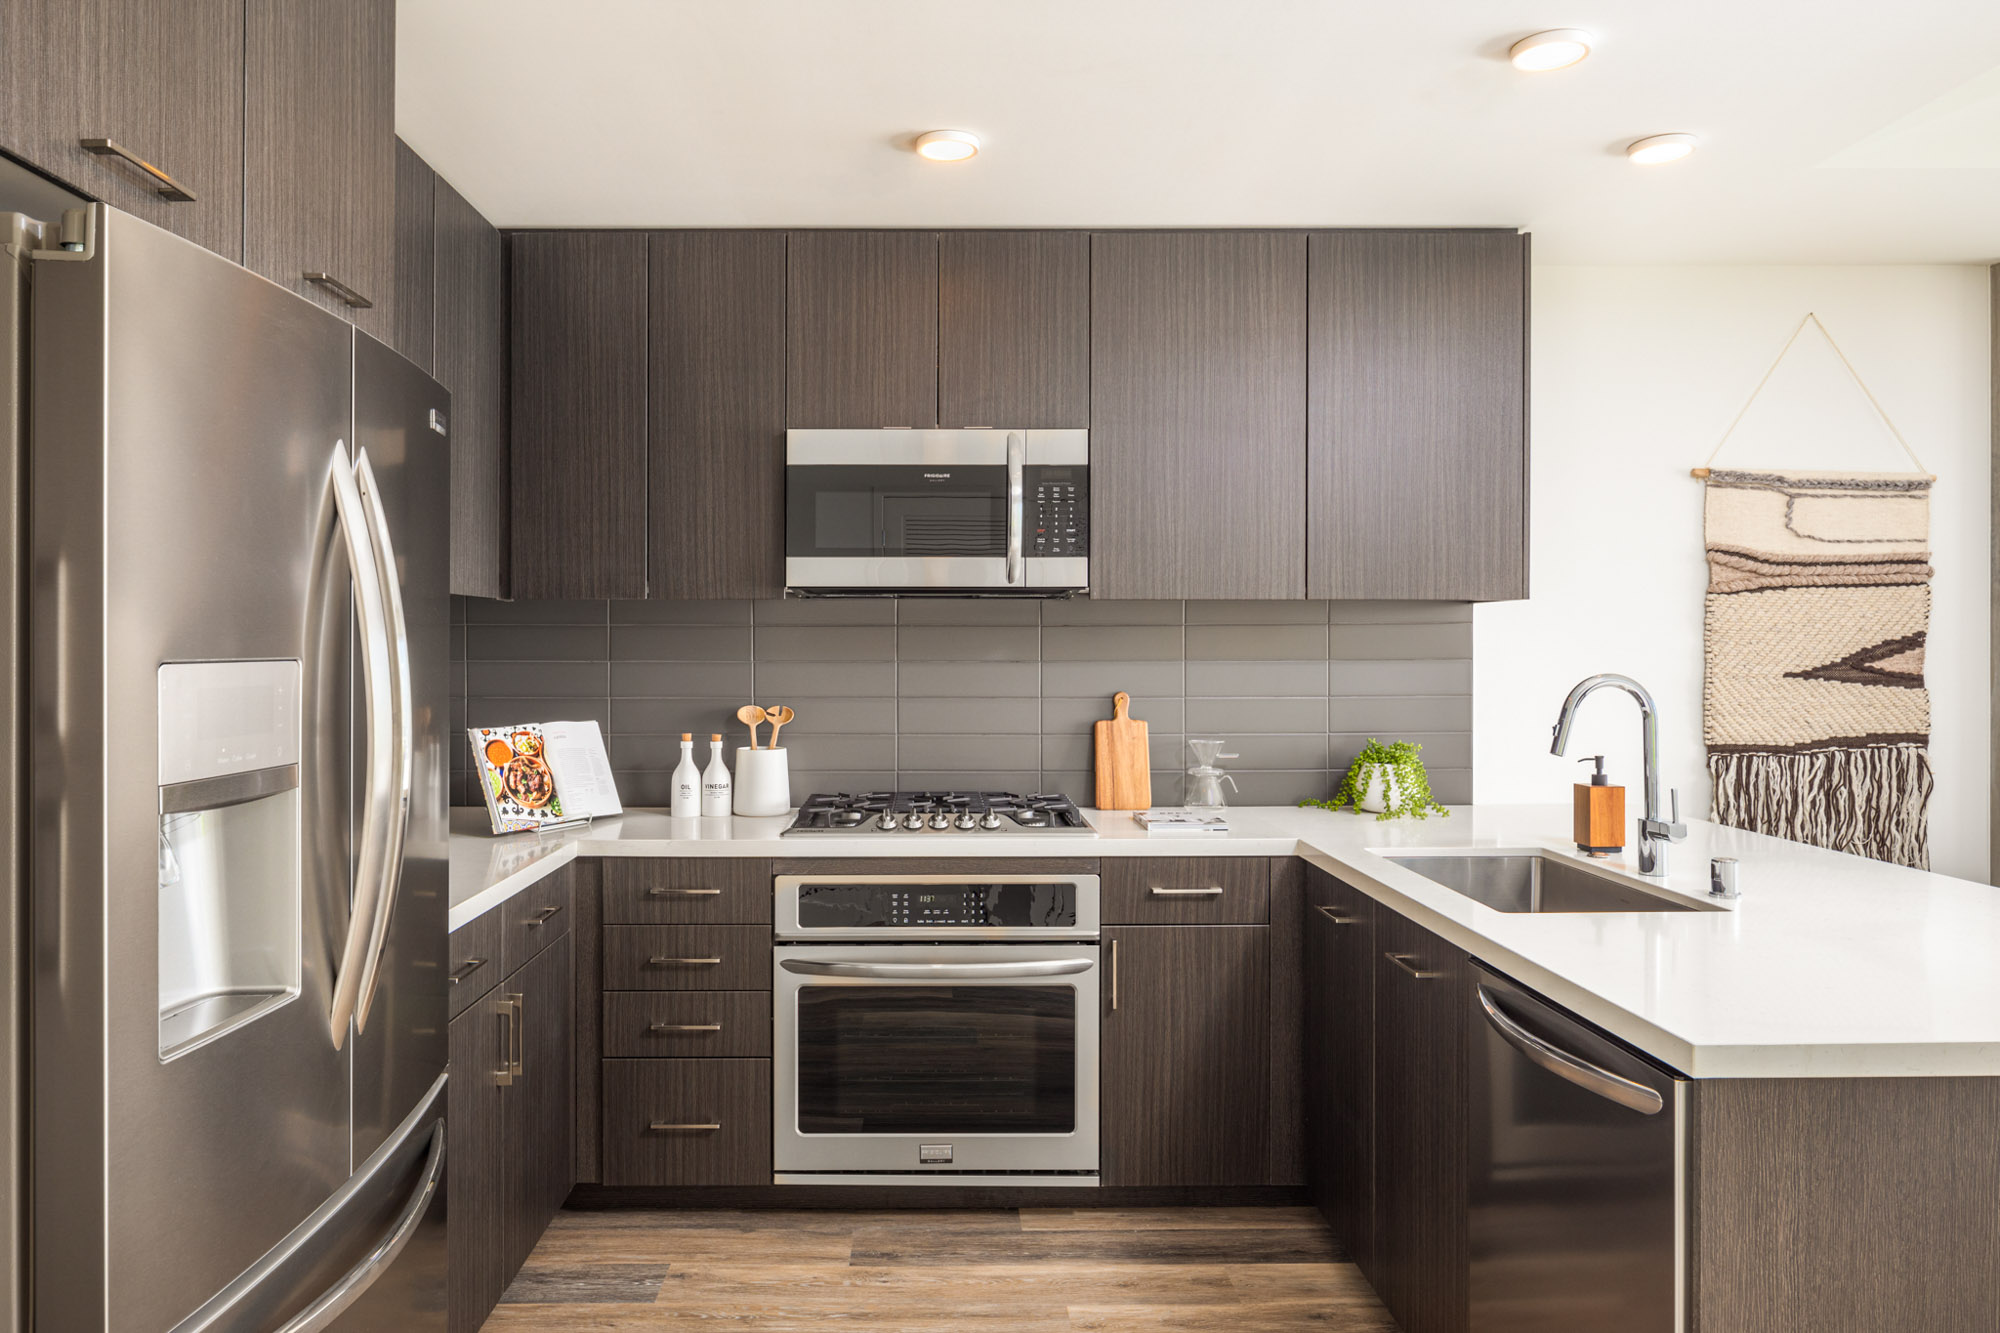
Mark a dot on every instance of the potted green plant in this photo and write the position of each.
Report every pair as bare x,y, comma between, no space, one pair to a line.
1388,780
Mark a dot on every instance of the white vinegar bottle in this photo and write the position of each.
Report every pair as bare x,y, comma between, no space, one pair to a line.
715,792
687,782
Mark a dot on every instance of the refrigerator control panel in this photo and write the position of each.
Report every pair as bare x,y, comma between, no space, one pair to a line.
218,718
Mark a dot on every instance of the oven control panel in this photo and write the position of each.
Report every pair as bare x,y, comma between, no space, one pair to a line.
909,905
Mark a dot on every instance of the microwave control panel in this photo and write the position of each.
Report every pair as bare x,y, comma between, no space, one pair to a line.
1058,505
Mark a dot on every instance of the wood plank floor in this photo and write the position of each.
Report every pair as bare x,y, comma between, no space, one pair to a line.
1042,1270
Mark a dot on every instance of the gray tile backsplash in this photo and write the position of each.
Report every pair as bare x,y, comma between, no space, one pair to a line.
951,693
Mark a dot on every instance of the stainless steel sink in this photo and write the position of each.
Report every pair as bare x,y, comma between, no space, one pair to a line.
1532,882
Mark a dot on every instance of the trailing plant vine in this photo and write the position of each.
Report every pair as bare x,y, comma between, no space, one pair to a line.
1411,794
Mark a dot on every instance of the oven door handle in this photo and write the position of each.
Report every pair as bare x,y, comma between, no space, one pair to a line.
1017,520
1051,967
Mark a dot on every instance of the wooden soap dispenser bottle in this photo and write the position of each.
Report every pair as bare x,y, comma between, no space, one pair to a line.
1600,813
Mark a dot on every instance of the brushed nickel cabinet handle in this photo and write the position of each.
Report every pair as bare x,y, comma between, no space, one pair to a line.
347,294
682,893
1408,962
685,962
466,969
504,1007
520,1031
1114,975
168,187
1333,914
685,1027
541,918
1213,891
665,1127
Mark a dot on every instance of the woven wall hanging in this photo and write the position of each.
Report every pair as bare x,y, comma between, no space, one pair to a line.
1814,709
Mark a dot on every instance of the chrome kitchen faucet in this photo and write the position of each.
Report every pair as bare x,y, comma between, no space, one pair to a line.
1654,833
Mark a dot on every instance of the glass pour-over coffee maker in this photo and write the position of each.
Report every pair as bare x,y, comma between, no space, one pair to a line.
1204,779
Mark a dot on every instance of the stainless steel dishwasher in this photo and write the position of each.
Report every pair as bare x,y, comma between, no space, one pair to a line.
1575,1178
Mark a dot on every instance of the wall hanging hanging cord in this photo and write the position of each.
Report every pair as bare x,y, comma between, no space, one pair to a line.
1701,473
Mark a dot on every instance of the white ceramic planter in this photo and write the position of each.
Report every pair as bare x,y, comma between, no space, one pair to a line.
1378,787
763,782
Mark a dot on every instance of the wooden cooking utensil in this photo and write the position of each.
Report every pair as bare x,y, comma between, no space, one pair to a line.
1124,772
751,714
778,717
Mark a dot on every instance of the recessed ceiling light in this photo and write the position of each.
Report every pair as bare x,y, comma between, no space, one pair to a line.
1557,48
1657,148
947,145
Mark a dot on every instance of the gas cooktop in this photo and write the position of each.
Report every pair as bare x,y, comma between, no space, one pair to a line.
907,812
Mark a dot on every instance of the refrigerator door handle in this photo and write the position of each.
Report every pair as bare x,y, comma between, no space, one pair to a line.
333,1302
377,676
403,722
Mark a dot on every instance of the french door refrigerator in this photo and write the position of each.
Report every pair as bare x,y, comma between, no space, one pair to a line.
235,583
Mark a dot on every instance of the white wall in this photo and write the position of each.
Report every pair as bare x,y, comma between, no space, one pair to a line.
1637,370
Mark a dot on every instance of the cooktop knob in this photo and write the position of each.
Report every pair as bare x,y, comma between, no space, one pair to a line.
965,820
886,822
913,820
991,819
940,820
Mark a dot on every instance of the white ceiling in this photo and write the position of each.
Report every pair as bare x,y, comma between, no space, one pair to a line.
1831,132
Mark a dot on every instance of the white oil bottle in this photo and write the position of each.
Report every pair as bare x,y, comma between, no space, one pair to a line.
686,802
715,793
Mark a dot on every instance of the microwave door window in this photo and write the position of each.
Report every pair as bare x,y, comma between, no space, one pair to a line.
896,511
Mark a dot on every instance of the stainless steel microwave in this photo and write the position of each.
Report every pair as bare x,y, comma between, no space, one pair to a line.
966,513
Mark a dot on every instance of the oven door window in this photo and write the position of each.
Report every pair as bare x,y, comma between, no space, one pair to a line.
937,1059
896,510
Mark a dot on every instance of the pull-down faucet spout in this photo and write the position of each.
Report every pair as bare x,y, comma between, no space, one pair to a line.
1654,832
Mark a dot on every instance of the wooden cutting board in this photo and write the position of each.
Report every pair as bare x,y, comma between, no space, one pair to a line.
1124,770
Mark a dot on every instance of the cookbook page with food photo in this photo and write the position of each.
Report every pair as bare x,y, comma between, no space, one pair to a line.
538,775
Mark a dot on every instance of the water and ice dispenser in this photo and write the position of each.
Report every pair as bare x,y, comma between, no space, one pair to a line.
230,854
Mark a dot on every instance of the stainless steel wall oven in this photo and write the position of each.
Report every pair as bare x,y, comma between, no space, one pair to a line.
936,1029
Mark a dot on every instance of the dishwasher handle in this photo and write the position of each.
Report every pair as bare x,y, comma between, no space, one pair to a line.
1570,1068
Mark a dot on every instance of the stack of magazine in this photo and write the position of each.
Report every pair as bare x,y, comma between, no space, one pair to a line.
1169,822
543,775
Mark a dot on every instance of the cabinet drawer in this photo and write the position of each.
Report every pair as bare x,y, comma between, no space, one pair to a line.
705,1023
687,890
1187,891
687,1122
473,965
687,958
534,918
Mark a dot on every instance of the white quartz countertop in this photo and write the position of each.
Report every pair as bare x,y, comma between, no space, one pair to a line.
1828,965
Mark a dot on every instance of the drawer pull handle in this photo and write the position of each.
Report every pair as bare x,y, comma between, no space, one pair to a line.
1213,891
1408,962
664,1127
1333,914
347,294
541,918
168,187
684,962
466,969
685,1027
683,893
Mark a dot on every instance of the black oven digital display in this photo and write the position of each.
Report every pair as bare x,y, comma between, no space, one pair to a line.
916,906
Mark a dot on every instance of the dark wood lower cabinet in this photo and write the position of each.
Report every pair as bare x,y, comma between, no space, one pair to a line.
1339,986
541,1160
687,1122
475,1202
1185,1064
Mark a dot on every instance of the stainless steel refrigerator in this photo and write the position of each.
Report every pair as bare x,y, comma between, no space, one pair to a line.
232,683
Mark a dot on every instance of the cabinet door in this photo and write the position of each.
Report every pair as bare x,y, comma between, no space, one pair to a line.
471,361
577,380
476,1189
1420,1127
1014,329
416,261
319,156
540,1138
1186,1055
716,380
1340,1062
1417,443
1198,414
862,313
162,79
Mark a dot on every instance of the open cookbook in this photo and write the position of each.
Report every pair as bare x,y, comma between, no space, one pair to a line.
540,775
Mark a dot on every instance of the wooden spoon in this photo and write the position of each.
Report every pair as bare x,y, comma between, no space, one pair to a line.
778,716
751,714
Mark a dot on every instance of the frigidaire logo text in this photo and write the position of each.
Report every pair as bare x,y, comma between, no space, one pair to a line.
937,476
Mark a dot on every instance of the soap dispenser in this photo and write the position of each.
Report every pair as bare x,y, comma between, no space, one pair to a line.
1600,813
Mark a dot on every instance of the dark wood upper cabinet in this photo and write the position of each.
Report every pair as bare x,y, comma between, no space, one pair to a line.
1198,414
862,315
1014,329
716,382
1185,1065
162,80
1417,440
416,260
577,381
319,153
470,359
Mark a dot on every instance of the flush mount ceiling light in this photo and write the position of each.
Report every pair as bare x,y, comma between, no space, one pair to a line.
1657,148
1558,48
947,145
